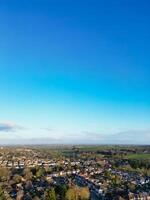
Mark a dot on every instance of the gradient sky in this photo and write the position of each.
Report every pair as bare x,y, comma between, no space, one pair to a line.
74,71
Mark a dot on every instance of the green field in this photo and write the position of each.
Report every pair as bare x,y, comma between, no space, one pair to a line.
142,156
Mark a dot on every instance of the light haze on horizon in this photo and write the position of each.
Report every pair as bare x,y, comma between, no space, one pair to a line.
74,72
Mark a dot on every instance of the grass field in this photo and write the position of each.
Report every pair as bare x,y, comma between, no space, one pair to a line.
142,156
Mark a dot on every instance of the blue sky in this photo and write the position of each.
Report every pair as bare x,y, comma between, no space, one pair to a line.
74,71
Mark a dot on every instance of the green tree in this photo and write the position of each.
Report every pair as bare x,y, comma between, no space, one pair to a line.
116,180
50,194
2,196
131,187
61,191
40,172
17,178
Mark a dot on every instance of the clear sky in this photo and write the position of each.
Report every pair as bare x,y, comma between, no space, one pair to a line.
74,71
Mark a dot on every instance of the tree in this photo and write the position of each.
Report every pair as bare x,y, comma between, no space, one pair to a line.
131,187
72,194
84,193
107,174
116,180
40,172
2,196
77,193
17,178
27,174
61,191
4,173
50,194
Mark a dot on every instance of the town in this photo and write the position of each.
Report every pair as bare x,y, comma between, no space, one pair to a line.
75,172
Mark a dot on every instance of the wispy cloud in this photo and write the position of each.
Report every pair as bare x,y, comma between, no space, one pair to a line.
92,134
31,141
47,129
50,135
121,137
10,127
131,137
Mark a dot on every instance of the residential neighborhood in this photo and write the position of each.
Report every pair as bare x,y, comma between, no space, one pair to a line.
28,173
